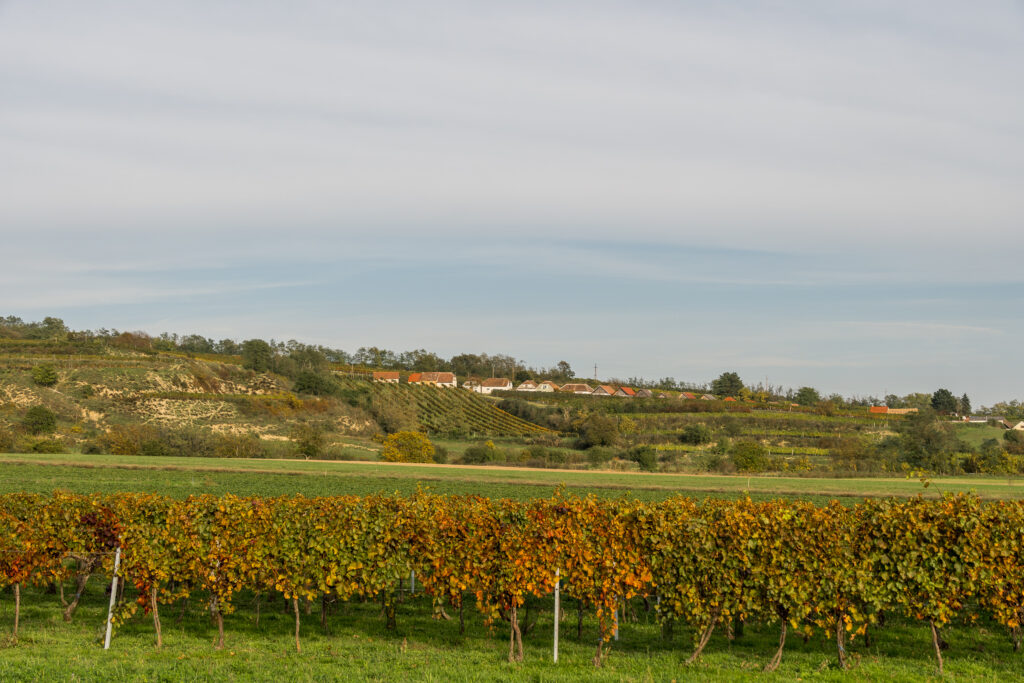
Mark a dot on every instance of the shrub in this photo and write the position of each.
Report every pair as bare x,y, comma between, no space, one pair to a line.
749,456
312,382
39,420
696,434
645,457
599,430
45,374
6,440
440,454
407,447
598,455
238,446
46,446
308,440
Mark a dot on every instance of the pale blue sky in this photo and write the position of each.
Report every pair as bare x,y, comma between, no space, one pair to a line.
826,194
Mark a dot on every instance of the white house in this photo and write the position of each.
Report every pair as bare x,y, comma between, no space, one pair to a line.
386,377
494,384
437,379
547,385
528,385
576,388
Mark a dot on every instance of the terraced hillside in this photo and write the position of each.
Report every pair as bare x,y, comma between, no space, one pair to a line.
450,411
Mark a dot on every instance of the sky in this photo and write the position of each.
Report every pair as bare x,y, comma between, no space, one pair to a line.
824,194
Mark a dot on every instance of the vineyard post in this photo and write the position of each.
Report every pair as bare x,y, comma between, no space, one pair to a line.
113,598
615,621
557,609
412,582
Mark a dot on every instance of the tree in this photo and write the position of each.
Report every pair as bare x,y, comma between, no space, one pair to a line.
749,456
256,355
696,434
943,401
39,420
807,396
727,384
965,405
407,447
313,382
44,374
927,442
309,440
599,430
565,370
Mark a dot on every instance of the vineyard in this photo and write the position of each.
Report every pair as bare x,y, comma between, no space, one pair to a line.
447,411
805,569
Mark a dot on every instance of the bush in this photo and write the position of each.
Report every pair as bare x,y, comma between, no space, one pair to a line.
599,430
45,374
440,454
46,446
749,456
407,447
308,440
39,420
6,440
480,454
598,455
645,457
696,434
238,446
317,383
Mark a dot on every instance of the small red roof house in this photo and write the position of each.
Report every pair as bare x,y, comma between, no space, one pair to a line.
437,379
387,377
687,395
494,384
626,391
547,385
644,393
879,410
528,385
576,388
730,398
604,390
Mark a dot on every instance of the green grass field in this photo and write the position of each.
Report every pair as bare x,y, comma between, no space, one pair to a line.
356,646
184,476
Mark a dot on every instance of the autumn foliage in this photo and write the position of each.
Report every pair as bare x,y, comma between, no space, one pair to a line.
707,565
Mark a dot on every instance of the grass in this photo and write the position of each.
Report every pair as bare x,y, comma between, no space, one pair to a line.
357,646
184,476
976,435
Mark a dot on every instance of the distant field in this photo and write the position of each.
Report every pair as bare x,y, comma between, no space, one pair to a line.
185,476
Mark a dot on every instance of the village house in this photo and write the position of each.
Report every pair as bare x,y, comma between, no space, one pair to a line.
688,396
603,390
494,384
645,393
386,377
663,395
528,385
576,388
625,391
547,385
436,379
708,397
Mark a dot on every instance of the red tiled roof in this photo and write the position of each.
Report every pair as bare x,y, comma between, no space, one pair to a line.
385,375
687,394
415,377
628,391
878,409
496,382
730,398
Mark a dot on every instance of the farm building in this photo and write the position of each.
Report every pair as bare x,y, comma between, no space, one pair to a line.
494,384
548,385
576,388
1019,426
386,377
437,379
688,396
628,392
603,390
645,393
528,385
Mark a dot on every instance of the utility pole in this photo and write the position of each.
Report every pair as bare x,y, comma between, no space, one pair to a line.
595,371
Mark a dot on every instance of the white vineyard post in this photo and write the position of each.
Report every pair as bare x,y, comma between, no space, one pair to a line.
615,619
558,582
412,582
113,598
